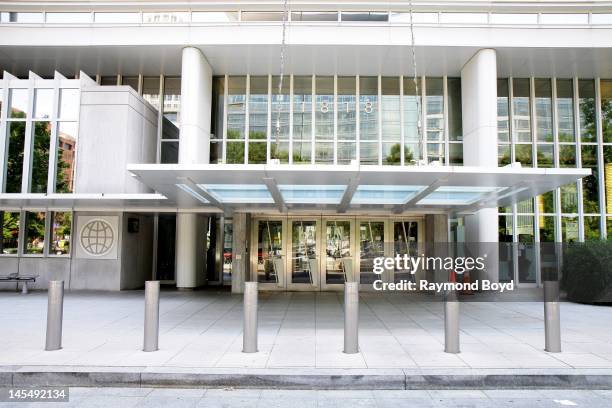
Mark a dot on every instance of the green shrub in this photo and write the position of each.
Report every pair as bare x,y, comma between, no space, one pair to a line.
587,272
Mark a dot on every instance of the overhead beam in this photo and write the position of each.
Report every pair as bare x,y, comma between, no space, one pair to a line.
204,193
419,196
276,194
348,195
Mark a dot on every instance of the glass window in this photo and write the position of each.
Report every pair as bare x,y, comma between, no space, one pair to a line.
435,109
543,106
150,90
592,228
567,155
597,18
514,18
565,110
302,119
586,107
130,81
258,120
523,154
61,225
216,122
236,107
9,232
66,155
214,16
522,116
171,17
417,18
525,229
368,108
262,16
569,199
547,229
503,125
347,117
19,17
18,103
279,144
172,100
170,151
456,154
35,233
412,110
569,229
505,237
546,156
390,120
314,16
455,126
69,104
121,18
546,203
43,103
503,155
461,18
606,110
324,109
14,166
372,16
40,156
68,17
564,19
590,186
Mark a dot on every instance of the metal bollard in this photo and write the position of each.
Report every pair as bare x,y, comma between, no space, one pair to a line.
24,288
552,317
55,310
249,339
351,317
151,316
451,323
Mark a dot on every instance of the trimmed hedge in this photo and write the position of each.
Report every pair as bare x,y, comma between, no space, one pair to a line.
587,272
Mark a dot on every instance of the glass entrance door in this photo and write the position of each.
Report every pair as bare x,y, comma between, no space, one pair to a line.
371,245
269,265
406,240
303,263
339,257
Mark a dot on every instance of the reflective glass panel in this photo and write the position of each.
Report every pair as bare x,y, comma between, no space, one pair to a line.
258,108
40,156
66,157
543,106
304,266
435,109
606,110
455,126
150,90
14,165
324,109
545,155
18,103
370,194
262,16
405,241
590,185
569,229
525,231
338,256
61,225
270,264
567,156
239,193
43,103
302,119
522,117
592,228
457,195
506,248
371,245
34,233
565,110
368,108
69,104
236,110
412,110
586,108
365,16
9,232
314,16
569,199
503,125
312,194
523,154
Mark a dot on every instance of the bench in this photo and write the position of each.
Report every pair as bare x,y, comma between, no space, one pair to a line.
16,277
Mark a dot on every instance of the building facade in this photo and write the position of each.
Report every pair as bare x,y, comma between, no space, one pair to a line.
292,143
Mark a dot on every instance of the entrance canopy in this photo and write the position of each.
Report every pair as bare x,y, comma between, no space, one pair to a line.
352,188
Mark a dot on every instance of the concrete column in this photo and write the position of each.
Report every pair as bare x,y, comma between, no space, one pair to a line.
479,114
196,105
436,233
194,148
240,256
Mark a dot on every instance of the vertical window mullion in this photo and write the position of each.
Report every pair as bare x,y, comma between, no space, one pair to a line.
357,120
160,119
269,119
335,104
423,119
445,122
47,233
225,113
4,133
533,123
578,133
555,122
379,120
246,118
53,146
511,119
402,131
290,159
28,144
600,160
313,86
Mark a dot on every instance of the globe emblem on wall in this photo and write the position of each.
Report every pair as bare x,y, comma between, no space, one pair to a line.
97,237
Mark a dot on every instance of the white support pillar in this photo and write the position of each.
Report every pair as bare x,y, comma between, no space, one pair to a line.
479,107
194,148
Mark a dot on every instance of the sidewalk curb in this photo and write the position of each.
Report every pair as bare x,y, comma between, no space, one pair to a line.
323,379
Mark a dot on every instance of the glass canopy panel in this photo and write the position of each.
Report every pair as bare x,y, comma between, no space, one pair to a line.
312,194
192,193
239,193
371,194
457,195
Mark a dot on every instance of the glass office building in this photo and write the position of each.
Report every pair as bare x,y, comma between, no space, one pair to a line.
191,145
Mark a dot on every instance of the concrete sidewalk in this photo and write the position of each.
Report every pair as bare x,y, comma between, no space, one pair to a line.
202,331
